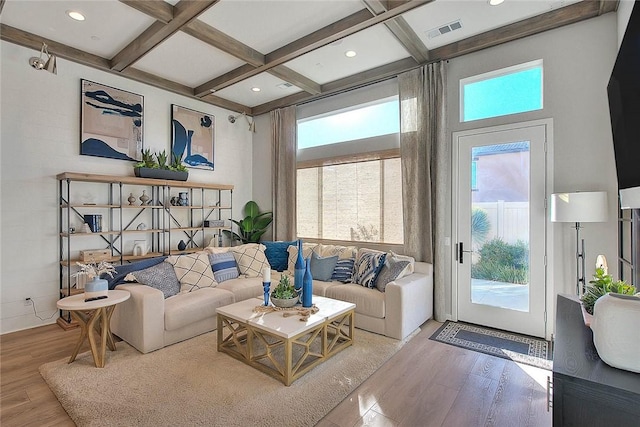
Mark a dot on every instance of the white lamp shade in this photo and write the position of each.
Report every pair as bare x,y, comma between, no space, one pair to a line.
587,206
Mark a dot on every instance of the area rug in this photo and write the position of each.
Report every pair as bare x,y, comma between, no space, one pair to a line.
519,348
190,383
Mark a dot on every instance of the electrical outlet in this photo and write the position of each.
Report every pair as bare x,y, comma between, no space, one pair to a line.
27,301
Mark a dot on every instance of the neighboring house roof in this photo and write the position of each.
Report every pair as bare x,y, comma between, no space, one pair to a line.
513,147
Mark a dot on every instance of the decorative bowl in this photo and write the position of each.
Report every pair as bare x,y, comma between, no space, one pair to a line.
284,303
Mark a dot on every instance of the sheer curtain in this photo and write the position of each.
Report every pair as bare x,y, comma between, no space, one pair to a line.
283,139
423,151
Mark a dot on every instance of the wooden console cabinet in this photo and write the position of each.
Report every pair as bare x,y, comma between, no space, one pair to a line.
587,391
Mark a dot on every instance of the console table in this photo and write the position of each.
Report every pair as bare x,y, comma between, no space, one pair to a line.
587,391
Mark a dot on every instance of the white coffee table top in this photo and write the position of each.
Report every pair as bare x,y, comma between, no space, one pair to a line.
76,302
276,323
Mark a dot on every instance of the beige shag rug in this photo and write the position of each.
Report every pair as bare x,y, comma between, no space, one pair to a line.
190,383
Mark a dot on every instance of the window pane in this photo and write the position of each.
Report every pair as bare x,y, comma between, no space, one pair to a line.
502,94
360,122
354,202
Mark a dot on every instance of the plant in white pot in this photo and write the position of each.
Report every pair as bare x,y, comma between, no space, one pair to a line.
601,285
96,286
284,295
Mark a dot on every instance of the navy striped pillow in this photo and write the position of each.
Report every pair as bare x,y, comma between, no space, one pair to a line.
224,266
343,270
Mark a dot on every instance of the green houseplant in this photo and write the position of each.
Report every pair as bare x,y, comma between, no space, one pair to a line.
602,284
154,165
253,226
284,295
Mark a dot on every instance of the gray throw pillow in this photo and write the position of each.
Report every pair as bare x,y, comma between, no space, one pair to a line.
161,276
390,272
322,268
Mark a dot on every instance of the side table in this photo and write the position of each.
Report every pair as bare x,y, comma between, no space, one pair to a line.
94,315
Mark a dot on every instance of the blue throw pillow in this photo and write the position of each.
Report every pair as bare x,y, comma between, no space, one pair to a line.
322,268
277,255
123,270
343,271
160,276
368,266
224,266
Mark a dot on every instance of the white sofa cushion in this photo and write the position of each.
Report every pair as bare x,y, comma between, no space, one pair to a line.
244,288
307,248
369,302
187,308
193,271
251,259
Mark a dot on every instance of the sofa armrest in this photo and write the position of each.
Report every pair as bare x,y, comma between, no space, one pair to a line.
409,301
140,319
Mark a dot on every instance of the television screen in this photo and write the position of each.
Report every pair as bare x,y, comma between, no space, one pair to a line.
624,105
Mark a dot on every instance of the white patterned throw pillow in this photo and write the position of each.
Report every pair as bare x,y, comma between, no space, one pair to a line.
251,259
368,266
193,271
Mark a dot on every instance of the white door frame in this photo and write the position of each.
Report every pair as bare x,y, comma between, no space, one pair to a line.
549,288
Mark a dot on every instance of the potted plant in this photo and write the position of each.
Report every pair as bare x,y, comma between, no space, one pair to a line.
284,295
602,284
253,226
154,165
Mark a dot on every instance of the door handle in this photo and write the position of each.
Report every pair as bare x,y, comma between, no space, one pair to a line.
461,252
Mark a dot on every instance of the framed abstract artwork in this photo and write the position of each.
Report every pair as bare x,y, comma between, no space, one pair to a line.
193,137
111,123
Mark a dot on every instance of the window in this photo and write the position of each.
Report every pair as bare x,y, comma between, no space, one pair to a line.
364,121
349,183
512,90
359,201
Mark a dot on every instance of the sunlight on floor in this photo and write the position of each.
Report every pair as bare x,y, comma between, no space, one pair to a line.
539,375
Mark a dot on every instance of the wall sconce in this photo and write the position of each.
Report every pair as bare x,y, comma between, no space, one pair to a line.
252,124
40,64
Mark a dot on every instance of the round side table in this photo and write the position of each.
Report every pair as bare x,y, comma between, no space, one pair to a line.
94,315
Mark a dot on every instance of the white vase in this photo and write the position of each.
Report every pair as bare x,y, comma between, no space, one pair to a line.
615,330
96,287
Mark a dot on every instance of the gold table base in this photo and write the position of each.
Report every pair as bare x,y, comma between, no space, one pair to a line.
285,359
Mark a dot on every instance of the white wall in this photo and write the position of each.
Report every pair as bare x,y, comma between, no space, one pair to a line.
625,7
40,128
578,60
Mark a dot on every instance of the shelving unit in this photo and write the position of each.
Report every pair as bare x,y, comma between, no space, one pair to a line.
158,223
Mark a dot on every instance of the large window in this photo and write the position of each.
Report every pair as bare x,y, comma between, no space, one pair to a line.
512,90
349,184
359,202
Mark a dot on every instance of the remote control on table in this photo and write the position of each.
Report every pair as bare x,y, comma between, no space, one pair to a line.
95,298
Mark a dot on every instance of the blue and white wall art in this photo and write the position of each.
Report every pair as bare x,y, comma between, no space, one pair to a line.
193,137
112,122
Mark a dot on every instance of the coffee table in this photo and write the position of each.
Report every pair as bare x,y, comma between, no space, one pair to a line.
285,347
94,315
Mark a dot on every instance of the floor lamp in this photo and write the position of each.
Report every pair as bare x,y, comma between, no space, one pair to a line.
587,206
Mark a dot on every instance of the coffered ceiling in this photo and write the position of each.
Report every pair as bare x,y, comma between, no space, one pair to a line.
223,51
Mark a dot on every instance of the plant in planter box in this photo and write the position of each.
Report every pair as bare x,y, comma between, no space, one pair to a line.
154,165
602,284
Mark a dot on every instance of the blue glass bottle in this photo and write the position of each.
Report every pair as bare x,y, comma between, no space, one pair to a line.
307,285
298,273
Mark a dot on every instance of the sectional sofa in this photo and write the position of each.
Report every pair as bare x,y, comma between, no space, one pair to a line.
165,309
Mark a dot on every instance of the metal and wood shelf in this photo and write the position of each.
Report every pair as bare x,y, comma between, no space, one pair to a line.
168,223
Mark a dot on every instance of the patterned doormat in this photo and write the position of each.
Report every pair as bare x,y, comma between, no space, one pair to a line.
519,348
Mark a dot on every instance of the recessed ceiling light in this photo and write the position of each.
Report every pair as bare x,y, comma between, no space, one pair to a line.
350,53
255,89
495,2
75,15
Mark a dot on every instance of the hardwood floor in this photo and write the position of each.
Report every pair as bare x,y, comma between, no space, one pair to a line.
427,383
